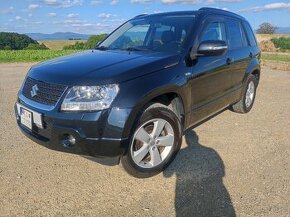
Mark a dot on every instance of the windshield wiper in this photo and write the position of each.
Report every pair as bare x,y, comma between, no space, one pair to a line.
135,49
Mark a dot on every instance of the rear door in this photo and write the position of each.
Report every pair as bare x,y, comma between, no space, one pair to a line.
239,53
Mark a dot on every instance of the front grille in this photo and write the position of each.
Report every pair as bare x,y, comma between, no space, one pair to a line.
47,94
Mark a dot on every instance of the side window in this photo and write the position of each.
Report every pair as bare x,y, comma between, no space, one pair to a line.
235,38
250,34
244,37
133,37
214,31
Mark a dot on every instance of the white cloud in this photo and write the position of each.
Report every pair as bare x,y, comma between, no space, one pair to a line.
268,7
51,14
180,1
105,15
114,2
72,15
9,10
33,6
18,18
64,3
227,1
96,2
51,2
185,1
141,1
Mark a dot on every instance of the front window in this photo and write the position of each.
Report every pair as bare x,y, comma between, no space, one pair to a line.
153,33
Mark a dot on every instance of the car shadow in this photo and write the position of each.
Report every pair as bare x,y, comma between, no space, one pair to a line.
199,174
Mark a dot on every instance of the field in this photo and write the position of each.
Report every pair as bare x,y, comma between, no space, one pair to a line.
266,37
232,165
59,44
276,57
31,55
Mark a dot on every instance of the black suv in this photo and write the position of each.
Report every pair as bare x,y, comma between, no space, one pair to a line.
135,94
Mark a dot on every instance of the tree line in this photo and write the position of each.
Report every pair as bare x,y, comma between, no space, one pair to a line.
15,41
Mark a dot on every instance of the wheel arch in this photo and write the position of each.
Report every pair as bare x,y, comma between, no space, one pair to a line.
253,69
168,97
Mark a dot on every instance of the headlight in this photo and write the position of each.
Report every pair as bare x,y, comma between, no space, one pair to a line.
89,98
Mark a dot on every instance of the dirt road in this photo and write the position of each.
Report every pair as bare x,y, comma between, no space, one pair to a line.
232,165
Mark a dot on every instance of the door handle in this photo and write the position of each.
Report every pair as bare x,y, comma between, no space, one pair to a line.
229,61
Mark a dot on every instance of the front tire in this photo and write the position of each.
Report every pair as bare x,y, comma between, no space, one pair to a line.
154,143
248,96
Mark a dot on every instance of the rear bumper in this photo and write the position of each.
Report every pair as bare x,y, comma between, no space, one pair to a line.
97,134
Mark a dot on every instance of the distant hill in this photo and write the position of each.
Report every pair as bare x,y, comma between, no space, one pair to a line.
58,36
283,30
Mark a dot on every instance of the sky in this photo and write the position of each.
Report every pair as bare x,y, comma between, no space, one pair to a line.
103,16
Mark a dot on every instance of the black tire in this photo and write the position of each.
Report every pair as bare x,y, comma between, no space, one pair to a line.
240,106
152,112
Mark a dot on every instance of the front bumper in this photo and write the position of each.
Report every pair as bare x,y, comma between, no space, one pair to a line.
97,134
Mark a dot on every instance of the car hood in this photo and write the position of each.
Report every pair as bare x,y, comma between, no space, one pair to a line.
101,67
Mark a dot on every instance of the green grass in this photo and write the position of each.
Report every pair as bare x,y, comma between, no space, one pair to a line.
40,55
31,55
282,43
276,57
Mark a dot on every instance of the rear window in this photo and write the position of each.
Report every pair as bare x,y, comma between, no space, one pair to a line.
235,38
250,34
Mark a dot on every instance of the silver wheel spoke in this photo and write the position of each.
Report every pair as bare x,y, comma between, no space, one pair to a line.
150,149
155,156
250,94
141,153
165,140
158,127
143,136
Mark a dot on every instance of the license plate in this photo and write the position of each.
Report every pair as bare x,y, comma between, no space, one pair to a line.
26,118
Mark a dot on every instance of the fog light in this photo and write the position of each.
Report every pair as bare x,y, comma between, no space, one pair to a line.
69,141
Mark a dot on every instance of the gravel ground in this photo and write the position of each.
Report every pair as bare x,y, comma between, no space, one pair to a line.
232,165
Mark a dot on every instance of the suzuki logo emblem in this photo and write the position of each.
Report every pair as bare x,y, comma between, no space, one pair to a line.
34,90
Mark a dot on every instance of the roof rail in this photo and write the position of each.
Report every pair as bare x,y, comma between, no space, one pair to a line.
141,15
217,10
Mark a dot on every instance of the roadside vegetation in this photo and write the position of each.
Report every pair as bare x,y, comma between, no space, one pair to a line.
16,47
276,57
15,41
89,44
281,43
31,55
20,48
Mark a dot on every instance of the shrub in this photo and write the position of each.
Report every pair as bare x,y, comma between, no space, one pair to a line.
36,47
89,44
15,41
282,43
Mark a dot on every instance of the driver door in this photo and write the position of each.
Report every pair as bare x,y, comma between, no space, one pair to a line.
210,74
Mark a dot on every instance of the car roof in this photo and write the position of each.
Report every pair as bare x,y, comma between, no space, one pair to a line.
201,11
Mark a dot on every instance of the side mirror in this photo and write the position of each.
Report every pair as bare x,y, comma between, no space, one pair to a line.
212,48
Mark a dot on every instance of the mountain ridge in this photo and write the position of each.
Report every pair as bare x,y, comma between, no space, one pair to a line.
58,36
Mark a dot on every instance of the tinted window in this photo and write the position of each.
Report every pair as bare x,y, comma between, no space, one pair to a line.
214,31
235,38
151,33
244,37
250,34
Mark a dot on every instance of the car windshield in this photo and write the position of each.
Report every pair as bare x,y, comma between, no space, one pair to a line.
152,33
